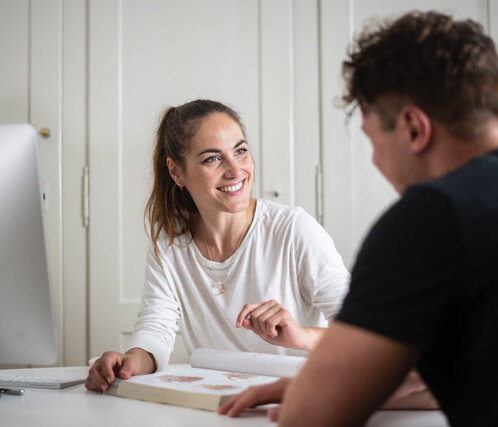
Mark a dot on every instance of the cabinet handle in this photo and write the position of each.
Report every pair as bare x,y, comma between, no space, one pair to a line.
318,194
44,133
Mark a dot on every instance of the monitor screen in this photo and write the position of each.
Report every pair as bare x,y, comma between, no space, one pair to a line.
28,333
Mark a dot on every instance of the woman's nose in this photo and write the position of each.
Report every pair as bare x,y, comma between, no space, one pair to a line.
232,168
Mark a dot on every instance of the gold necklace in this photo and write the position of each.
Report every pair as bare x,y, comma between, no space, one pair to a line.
219,282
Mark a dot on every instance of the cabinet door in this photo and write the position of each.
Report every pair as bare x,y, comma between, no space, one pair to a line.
145,56
30,89
355,193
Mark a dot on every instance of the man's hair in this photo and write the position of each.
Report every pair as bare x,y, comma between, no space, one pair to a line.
447,68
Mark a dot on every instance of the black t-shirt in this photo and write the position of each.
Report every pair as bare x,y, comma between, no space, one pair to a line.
427,276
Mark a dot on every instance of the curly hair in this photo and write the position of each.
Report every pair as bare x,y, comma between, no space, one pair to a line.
169,206
448,68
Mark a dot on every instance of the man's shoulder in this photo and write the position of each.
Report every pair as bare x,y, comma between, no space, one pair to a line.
419,206
471,189
476,174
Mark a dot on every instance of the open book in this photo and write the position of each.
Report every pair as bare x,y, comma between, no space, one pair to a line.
213,377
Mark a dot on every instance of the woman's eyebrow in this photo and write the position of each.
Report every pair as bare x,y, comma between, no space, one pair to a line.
242,141
216,150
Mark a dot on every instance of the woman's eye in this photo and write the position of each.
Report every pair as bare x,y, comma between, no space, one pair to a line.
210,159
241,151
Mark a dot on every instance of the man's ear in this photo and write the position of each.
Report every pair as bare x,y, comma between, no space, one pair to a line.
417,127
175,171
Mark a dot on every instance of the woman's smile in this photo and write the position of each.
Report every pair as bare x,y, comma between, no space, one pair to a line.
233,188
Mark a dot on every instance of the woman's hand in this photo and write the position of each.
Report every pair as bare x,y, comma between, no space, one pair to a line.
110,365
272,322
257,395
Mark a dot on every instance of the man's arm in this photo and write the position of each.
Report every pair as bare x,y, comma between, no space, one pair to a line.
349,375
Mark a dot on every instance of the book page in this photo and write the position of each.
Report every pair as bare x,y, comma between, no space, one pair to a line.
196,380
275,365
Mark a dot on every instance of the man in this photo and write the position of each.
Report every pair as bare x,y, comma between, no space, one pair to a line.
424,289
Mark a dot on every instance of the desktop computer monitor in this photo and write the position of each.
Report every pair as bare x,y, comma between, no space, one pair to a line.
28,333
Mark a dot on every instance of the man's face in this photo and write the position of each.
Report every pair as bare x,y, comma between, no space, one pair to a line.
390,155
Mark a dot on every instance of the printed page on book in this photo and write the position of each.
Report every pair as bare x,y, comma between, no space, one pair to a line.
196,380
275,365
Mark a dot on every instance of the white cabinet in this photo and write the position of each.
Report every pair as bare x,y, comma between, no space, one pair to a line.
42,82
30,91
145,56
98,74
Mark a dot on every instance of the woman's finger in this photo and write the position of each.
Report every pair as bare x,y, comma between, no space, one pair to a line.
246,311
266,320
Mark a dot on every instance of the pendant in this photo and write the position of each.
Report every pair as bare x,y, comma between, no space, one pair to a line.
221,287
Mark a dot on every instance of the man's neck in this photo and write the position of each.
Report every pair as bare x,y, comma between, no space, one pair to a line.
449,153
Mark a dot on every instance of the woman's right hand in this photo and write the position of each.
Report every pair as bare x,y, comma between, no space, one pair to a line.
110,365
273,323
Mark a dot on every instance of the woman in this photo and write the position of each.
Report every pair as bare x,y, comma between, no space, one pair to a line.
220,264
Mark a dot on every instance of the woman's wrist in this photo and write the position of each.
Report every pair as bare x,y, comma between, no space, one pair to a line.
310,337
146,360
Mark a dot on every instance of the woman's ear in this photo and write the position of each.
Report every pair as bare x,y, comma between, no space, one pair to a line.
175,171
417,128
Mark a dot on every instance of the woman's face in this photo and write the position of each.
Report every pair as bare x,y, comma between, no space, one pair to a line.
219,169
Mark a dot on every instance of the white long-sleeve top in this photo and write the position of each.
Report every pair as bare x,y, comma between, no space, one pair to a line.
286,255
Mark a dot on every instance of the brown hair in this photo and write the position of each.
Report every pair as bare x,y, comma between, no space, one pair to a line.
168,206
447,68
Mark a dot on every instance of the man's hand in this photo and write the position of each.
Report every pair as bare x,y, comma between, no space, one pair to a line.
273,323
104,371
254,396
411,394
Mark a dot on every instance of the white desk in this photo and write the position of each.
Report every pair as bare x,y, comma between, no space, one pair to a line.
76,406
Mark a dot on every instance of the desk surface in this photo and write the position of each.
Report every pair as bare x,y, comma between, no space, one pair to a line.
77,406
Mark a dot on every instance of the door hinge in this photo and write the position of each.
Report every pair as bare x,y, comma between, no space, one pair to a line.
318,194
86,197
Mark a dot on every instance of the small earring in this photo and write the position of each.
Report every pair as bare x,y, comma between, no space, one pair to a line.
180,187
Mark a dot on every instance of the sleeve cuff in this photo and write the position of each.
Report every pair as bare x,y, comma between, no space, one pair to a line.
159,348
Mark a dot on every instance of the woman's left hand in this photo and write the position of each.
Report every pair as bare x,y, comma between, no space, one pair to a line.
272,322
